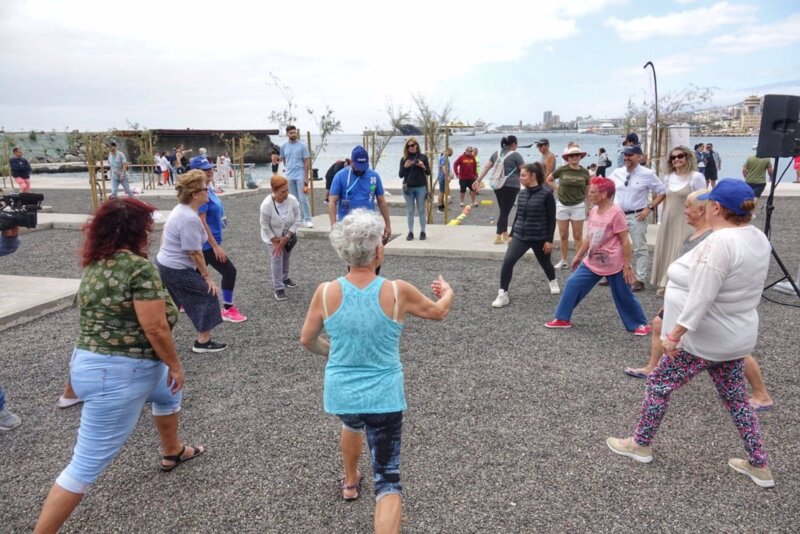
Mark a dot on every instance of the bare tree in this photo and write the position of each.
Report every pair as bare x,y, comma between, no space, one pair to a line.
397,118
432,120
673,107
285,116
327,124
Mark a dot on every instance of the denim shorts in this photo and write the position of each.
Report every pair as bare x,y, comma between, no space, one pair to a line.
114,390
383,431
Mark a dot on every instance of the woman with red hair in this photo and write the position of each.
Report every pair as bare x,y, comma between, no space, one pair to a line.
607,252
124,355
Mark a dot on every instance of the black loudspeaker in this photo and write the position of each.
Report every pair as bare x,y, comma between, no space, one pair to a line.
778,137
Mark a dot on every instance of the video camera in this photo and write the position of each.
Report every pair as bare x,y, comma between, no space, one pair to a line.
19,209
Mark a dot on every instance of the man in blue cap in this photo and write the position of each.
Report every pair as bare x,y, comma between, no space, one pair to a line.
358,186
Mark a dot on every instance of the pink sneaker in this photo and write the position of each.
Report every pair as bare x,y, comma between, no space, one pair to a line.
233,315
558,323
642,330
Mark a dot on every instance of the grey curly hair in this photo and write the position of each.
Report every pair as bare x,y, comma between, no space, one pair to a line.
356,238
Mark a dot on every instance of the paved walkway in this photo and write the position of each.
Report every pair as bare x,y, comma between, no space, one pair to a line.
463,241
24,298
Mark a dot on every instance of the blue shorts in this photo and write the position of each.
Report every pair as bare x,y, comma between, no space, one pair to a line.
441,184
384,431
114,390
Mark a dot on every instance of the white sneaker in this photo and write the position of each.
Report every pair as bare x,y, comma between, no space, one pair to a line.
554,289
309,224
501,300
562,264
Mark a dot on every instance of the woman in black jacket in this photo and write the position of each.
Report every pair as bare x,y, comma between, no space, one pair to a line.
533,228
414,168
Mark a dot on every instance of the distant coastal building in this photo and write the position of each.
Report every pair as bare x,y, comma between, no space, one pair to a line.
548,117
751,114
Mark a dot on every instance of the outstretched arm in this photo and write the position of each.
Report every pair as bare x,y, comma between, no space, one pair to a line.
413,302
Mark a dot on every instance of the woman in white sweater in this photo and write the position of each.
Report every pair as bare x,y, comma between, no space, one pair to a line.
711,324
280,216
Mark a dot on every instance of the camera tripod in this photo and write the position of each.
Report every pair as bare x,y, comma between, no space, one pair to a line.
768,228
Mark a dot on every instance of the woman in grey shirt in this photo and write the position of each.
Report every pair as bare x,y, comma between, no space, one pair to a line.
181,263
506,193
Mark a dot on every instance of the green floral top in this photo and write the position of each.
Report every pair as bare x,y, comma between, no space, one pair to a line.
105,297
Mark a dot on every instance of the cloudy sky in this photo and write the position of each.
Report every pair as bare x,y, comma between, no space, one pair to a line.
175,64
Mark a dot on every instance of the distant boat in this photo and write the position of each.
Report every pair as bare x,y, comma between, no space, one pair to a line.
410,129
480,127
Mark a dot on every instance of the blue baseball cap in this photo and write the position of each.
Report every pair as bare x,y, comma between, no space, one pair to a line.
359,159
731,194
200,162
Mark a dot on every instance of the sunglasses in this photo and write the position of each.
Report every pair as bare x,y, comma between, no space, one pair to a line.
627,179
412,145
677,156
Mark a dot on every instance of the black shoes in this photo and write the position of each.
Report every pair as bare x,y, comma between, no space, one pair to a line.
289,283
208,346
422,236
410,236
280,294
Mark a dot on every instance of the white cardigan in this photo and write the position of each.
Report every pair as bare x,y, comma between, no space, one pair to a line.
271,223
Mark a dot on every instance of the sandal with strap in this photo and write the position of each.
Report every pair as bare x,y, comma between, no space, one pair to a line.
356,486
179,459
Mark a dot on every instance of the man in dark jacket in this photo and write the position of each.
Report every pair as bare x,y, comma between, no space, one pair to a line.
332,170
20,170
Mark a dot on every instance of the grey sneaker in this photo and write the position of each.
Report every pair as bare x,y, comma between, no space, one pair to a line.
554,289
9,421
628,447
762,476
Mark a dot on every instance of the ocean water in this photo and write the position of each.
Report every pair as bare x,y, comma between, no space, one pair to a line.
733,151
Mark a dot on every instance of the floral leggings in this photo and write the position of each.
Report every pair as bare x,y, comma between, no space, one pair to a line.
728,377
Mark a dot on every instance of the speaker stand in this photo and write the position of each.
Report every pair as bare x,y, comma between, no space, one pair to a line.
768,228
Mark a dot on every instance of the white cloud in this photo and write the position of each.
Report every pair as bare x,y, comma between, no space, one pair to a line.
753,38
680,23
166,58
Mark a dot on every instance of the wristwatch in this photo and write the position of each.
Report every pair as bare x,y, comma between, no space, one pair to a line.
650,207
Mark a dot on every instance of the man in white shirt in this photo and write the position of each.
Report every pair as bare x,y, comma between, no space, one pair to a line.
634,184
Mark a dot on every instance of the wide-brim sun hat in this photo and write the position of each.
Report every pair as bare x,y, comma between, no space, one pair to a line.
573,150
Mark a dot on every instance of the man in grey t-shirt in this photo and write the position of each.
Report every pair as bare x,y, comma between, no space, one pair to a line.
119,170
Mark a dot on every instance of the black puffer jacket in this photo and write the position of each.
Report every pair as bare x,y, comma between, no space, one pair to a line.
536,215
415,176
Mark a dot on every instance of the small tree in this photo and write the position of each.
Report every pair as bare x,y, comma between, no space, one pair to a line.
327,124
397,117
432,120
286,116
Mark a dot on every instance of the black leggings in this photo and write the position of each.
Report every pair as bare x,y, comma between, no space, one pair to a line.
505,201
227,270
516,249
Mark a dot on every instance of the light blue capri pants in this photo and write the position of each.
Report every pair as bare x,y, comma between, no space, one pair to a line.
114,390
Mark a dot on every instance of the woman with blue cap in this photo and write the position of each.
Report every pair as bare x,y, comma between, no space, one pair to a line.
711,324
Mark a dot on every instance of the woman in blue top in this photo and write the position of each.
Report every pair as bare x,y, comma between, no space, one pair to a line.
363,316
213,214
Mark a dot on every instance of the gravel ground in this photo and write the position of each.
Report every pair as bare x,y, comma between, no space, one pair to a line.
504,433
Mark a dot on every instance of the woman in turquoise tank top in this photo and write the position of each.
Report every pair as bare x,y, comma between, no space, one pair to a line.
363,314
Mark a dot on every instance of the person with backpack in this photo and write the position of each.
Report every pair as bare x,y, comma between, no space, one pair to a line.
504,179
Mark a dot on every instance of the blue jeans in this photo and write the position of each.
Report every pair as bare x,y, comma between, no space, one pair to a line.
638,232
114,390
116,179
583,280
296,189
415,196
2,400
384,431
